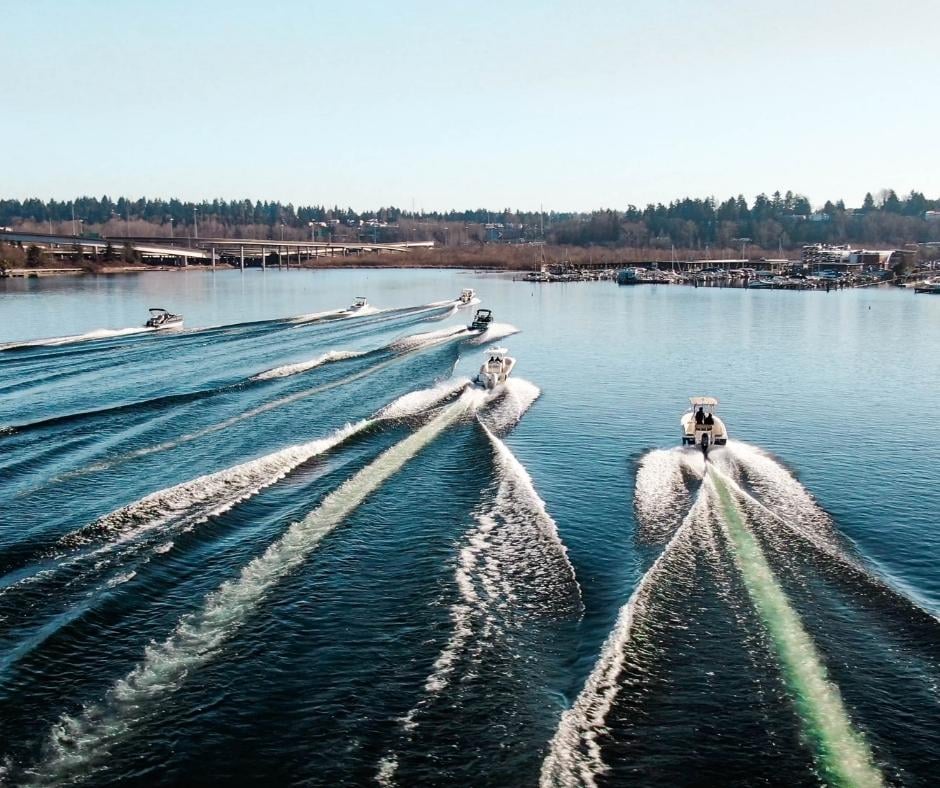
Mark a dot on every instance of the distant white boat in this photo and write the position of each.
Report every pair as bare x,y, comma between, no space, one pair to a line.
359,304
466,296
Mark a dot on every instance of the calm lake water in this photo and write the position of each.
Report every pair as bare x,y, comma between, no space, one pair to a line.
240,553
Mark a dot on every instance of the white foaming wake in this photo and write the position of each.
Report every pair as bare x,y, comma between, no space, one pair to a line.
77,745
197,500
368,309
574,756
314,316
337,313
385,776
661,492
448,314
230,421
415,402
781,493
214,493
511,567
494,332
427,339
99,333
507,404
304,366
780,496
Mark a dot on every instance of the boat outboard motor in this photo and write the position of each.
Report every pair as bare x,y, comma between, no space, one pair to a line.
705,438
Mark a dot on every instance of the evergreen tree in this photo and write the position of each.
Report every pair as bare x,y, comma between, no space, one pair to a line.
33,256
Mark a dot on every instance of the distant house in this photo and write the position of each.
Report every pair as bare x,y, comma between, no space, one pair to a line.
872,258
932,216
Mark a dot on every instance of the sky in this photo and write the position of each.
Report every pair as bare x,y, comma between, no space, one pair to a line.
444,105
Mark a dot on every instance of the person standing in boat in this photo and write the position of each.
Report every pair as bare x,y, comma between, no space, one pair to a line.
700,416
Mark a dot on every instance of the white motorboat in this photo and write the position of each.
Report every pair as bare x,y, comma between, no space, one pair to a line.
160,318
496,369
360,304
466,296
481,320
701,427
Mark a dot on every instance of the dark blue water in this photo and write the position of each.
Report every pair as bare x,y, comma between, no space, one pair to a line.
209,574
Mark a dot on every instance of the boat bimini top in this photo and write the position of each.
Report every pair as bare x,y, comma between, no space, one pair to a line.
481,320
466,295
359,304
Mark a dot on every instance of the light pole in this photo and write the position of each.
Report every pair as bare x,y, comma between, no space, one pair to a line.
74,231
312,232
195,224
81,227
171,228
127,219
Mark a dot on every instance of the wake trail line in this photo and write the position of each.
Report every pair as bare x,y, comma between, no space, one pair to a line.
842,754
195,501
304,366
78,745
512,569
574,755
99,333
248,414
803,518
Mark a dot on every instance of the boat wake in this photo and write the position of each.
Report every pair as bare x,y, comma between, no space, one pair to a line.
753,504
411,346
575,756
184,505
508,403
304,366
98,333
493,332
78,745
313,317
428,339
663,490
514,583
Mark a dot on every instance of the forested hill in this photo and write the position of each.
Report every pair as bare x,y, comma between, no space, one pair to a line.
779,220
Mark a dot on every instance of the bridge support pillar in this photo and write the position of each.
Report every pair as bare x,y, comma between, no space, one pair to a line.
213,258
264,264
241,263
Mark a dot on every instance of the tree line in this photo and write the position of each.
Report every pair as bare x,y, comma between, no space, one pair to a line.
779,220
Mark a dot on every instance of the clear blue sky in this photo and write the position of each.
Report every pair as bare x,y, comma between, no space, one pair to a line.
452,105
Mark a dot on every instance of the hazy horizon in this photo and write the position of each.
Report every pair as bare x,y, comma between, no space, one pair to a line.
493,106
